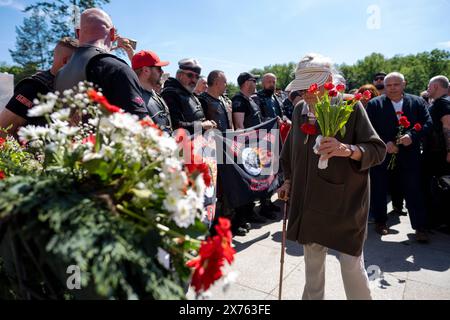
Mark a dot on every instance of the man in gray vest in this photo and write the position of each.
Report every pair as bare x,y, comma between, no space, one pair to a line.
94,62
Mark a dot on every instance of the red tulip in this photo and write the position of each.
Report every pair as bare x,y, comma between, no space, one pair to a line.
358,96
328,86
313,88
340,87
308,129
333,93
367,95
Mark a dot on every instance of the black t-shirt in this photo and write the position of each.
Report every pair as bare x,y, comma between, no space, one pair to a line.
439,109
119,83
22,101
243,104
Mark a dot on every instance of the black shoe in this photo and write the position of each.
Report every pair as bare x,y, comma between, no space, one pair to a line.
256,218
241,232
247,226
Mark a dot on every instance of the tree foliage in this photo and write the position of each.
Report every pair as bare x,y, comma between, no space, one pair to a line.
284,73
33,41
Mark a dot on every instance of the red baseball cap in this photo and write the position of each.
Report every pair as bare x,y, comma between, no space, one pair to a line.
147,59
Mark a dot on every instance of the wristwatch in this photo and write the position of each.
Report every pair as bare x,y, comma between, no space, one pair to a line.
352,149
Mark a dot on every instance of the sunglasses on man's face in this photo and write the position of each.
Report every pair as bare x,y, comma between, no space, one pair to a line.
379,78
191,75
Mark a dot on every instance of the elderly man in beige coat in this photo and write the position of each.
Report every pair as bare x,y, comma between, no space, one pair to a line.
329,208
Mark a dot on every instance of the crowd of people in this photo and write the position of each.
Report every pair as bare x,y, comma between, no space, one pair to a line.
193,102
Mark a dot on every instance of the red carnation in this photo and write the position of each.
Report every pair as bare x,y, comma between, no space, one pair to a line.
328,86
2,141
2,175
404,122
367,95
358,96
418,127
399,113
313,88
212,256
101,99
333,93
200,168
340,87
308,129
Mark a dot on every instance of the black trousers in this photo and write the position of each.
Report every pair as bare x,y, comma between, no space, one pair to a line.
409,183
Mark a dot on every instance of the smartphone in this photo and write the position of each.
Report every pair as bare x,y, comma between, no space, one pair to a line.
133,43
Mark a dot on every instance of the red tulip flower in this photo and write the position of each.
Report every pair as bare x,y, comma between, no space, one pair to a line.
313,88
333,93
367,95
358,96
328,86
340,88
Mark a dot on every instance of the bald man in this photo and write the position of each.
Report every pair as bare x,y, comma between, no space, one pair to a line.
93,62
16,112
269,103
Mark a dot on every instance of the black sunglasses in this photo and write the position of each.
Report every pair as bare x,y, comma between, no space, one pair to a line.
191,75
379,78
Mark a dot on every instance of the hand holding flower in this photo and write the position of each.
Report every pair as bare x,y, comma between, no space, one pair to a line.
405,140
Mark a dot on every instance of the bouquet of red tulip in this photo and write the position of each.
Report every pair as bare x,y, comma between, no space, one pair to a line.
333,114
403,125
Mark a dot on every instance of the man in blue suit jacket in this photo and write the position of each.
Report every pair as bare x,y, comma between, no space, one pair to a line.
384,113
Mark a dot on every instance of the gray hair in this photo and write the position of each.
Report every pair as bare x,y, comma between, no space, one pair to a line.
396,75
441,80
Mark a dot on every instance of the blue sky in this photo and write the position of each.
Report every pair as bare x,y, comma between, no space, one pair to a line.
238,35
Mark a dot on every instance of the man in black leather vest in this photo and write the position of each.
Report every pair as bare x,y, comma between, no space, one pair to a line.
185,109
94,62
148,67
214,105
268,102
16,111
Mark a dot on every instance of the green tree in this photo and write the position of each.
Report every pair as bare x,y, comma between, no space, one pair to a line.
19,72
32,41
284,73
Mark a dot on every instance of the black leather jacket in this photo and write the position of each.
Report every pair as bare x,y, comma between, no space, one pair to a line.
157,109
185,108
216,110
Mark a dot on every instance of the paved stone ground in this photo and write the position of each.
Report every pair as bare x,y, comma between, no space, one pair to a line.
409,270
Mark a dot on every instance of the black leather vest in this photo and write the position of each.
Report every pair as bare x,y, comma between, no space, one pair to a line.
216,110
75,70
158,110
270,105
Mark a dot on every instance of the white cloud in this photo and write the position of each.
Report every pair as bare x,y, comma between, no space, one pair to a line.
12,4
445,44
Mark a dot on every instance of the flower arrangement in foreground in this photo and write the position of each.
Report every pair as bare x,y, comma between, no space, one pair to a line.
332,112
110,196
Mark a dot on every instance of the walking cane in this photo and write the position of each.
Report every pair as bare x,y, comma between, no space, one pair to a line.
283,246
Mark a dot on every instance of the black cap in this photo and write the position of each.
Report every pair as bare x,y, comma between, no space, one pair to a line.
245,76
379,74
191,65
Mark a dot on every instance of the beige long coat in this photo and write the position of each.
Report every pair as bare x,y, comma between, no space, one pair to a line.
330,207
